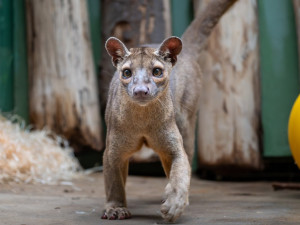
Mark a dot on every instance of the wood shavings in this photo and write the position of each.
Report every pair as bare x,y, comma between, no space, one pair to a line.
34,157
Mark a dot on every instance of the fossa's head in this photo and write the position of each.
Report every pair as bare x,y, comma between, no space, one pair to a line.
144,72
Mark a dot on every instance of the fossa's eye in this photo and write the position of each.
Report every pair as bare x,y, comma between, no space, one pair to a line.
126,73
157,72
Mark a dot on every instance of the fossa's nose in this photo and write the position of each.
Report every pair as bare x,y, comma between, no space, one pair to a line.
141,91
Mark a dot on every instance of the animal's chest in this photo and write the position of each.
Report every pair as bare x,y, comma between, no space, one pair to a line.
142,121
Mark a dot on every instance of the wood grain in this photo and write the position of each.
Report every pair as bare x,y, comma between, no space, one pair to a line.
228,133
63,92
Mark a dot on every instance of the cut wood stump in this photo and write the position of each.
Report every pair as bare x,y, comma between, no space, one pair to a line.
229,124
63,91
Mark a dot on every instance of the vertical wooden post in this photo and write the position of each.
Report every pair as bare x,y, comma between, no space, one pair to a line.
63,90
228,133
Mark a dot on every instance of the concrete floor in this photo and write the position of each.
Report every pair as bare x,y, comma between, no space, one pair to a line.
210,203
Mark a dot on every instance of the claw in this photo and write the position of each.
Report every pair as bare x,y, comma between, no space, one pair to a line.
113,218
127,215
117,213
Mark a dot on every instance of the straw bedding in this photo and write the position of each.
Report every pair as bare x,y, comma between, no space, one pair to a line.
34,156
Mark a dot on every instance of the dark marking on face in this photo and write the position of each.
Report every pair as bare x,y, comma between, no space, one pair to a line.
142,56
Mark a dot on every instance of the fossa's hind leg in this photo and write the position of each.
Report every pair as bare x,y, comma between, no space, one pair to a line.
187,130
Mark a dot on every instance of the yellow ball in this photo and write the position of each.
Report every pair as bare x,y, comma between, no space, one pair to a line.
294,131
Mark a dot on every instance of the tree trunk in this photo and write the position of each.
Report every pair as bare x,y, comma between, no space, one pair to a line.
135,23
63,92
228,132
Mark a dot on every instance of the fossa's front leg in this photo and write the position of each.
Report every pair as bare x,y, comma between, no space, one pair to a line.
115,170
178,170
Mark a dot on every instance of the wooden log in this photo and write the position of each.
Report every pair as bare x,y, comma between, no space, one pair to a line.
63,92
229,115
135,23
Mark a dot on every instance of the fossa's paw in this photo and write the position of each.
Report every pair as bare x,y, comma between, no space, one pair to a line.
116,213
175,203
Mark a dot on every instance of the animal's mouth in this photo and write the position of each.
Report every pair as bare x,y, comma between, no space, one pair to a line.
142,100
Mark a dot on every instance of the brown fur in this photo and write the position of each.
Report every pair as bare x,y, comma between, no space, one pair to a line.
163,117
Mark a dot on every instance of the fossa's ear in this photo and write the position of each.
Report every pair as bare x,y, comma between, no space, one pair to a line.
116,49
169,49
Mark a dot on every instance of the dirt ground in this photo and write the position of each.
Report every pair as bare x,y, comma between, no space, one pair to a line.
211,202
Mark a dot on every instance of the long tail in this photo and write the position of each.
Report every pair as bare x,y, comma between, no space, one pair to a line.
199,30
